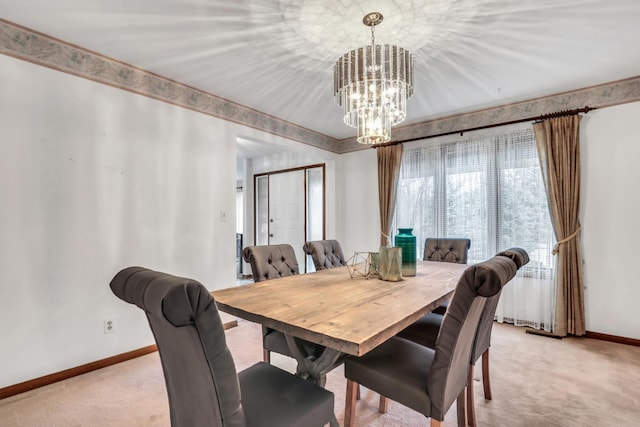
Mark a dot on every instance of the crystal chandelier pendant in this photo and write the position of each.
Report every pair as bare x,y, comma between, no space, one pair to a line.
374,126
372,84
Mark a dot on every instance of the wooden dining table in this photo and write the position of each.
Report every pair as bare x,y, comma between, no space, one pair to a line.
344,314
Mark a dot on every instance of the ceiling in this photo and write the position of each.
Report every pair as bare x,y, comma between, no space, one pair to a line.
277,56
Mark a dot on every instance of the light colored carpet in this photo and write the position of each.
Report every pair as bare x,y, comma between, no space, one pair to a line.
537,381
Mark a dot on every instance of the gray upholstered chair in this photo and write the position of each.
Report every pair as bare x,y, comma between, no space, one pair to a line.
425,332
325,253
200,375
446,250
271,262
424,379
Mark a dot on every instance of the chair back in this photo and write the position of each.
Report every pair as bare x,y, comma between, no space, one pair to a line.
446,250
448,375
271,261
200,375
325,253
483,336
518,255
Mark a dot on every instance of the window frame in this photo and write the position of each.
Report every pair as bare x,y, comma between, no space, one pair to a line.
496,146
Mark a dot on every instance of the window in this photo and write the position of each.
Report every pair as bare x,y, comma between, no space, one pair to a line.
485,187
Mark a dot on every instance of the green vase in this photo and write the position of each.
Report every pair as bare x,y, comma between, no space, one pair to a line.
407,241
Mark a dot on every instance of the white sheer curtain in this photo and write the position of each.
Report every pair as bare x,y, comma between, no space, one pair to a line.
485,186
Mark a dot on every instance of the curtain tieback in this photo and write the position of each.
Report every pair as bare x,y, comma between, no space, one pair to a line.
565,240
386,237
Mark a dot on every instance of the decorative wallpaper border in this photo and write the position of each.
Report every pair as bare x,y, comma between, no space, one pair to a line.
29,45
605,95
23,43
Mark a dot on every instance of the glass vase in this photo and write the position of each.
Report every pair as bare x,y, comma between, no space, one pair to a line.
407,241
390,268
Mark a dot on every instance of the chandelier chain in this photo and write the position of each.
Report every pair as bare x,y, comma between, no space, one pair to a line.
373,38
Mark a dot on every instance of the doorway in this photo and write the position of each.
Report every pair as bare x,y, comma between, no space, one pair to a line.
289,207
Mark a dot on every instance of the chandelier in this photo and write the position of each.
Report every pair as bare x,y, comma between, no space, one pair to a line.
372,84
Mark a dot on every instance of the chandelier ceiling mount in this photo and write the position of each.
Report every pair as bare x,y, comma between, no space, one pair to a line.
372,19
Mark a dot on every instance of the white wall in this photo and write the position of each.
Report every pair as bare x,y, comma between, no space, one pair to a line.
610,200
358,212
94,179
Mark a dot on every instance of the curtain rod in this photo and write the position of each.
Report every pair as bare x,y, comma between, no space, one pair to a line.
535,119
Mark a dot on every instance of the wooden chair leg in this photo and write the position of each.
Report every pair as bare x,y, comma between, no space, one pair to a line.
384,405
266,355
486,381
358,393
471,406
350,403
436,423
461,406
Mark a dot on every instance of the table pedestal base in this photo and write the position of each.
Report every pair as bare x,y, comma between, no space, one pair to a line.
314,365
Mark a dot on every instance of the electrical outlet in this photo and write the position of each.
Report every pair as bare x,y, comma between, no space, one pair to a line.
109,325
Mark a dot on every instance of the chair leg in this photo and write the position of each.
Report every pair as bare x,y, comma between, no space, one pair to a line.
350,403
358,393
461,406
266,355
486,381
471,406
436,423
384,405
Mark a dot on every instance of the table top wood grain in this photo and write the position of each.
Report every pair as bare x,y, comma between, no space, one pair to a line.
351,315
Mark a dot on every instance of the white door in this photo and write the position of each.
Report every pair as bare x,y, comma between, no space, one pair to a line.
287,212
